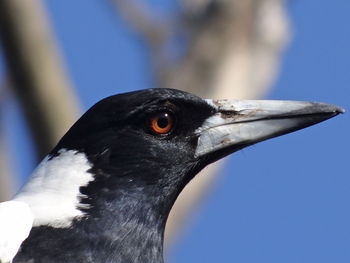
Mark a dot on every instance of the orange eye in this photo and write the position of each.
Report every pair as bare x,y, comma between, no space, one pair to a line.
162,123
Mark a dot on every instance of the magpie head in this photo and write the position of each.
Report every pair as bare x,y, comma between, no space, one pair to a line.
160,138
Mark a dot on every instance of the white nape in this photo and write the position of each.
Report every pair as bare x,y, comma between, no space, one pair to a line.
52,192
16,221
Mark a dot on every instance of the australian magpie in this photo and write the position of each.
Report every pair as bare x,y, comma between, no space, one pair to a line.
103,194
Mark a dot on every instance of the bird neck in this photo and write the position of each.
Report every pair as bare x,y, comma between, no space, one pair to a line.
131,222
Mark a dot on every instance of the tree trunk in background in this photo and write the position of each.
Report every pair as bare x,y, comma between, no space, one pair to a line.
6,182
36,73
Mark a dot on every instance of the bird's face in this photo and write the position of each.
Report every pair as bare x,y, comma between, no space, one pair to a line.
145,137
164,137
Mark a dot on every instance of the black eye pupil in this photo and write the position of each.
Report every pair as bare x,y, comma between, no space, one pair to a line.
163,121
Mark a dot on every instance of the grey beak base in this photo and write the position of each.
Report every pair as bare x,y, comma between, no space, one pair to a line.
240,123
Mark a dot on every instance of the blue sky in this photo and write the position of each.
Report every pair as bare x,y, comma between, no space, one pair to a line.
284,200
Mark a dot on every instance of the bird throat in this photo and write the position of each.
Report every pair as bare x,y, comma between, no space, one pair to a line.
132,226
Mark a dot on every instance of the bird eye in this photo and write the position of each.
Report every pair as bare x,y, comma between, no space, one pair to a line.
162,123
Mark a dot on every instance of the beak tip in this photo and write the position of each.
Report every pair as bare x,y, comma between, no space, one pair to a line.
340,110
337,110
330,108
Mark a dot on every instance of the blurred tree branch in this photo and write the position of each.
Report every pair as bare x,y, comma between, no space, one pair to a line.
231,48
6,182
37,76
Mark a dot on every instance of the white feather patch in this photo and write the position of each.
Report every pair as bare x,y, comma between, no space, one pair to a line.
52,192
16,221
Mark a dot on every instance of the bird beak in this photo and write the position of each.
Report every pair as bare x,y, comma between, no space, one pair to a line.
240,123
